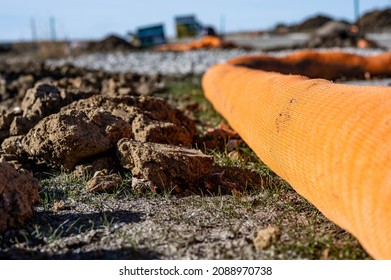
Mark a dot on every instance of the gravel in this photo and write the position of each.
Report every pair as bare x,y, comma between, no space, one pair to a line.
170,63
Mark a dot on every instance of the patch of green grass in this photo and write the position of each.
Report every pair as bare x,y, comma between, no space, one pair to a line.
322,245
124,189
61,186
187,93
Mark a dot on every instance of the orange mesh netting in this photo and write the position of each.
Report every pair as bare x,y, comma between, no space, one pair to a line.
331,142
330,65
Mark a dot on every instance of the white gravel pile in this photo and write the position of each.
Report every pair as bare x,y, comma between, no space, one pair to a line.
168,63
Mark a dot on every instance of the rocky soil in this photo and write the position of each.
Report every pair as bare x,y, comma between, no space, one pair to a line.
376,21
103,165
114,154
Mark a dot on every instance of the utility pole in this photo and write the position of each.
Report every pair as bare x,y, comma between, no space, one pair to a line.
222,26
33,28
52,28
357,12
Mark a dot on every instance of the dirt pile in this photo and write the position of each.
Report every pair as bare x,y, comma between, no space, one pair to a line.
310,24
372,21
109,44
21,110
75,83
66,117
375,21
73,119
151,118
333,34
338,34
68,137
87,122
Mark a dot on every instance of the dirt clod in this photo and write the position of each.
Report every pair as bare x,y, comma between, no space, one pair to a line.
6,119
68,137
266,237
102,181
13,145
58,205
168,167
220,137
18,194
152,119
41,101
94,165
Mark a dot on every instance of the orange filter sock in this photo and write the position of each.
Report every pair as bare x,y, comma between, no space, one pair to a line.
330,142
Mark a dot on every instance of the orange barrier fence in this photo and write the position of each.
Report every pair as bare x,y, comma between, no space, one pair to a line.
331,142
207,42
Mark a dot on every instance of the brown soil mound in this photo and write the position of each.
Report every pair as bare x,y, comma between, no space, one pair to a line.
68,137
72,118
377,20
311,23
91,122
152,119
109,44
338,34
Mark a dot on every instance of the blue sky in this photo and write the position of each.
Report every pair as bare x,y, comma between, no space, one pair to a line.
77,19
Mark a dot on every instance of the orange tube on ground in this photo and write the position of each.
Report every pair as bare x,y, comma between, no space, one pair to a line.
207,42
331,142
327,65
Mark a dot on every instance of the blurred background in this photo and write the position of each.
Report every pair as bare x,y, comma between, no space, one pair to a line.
262,24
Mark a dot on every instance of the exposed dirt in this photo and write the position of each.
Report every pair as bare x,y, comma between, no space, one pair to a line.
103,182
376,21
121,176
71,136
18,194
266,237
165,166
311,23
71,123
109,44
79,225
338,34
152,119
333,34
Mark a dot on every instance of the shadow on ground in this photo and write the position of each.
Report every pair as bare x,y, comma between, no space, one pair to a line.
72,236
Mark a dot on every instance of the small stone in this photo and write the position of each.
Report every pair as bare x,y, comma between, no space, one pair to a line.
266,237
58,205
94,165
143,89
101,182
142,184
